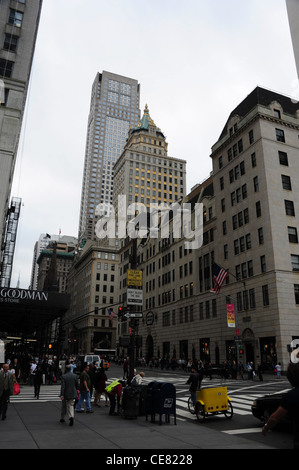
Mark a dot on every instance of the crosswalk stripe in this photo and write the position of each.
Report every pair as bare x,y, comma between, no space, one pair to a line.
243,431
237,402
241,403
47,393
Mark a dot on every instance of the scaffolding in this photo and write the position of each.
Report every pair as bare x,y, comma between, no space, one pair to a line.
13,215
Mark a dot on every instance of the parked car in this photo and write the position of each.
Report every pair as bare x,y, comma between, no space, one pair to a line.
263,407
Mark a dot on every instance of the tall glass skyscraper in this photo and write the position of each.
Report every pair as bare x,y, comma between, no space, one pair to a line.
114,108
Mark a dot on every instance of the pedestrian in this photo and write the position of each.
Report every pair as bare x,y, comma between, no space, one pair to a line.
126,368
37,380
260,371
100,385
234,370
249,371
85,383
195,382
44,371
241,370
73,366
17,369
114,391
289,405
68,394
32,371
137,379
91,373
278,370
6,389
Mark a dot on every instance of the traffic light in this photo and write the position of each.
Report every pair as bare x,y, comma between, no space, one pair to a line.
241,350
121,313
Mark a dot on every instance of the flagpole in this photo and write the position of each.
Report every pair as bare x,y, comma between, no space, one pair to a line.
236,338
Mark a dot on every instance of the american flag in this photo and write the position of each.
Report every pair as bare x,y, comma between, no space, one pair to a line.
219,275
111,315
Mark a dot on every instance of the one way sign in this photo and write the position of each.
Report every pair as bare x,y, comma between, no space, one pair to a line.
133,315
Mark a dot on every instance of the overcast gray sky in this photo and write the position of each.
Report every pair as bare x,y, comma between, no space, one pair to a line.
195,61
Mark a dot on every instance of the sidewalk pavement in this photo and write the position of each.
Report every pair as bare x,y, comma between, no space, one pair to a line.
36,426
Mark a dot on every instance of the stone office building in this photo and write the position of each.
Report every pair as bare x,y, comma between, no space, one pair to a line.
250,228
93,285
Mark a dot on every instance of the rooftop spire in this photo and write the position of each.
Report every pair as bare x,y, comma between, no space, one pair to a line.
146,119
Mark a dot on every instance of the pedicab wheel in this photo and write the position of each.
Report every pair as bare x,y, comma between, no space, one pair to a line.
200,412
191,407
229,413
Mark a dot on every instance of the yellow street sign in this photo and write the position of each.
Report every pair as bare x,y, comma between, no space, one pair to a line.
134,278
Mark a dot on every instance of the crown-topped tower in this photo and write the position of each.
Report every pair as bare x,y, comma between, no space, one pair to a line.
144,173
148,132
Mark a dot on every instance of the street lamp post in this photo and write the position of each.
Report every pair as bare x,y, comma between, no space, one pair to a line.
133,321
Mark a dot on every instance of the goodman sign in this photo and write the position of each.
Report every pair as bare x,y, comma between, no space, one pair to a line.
18,295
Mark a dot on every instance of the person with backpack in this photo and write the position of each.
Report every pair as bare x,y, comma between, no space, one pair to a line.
114,391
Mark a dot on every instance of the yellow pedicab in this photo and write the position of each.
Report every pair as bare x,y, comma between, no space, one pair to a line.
213,401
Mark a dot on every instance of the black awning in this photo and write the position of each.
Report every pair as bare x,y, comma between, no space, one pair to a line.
25,311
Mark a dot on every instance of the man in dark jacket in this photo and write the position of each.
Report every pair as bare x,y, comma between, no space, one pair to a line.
195,382
68,394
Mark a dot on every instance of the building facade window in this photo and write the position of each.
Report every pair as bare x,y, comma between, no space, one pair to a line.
286,182
283,158
280,135
6,68
292,233
15,18
10,43
265,295
289,208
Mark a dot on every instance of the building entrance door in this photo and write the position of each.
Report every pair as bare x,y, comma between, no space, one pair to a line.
248,339
249,350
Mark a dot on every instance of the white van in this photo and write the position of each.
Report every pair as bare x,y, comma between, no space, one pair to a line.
89,359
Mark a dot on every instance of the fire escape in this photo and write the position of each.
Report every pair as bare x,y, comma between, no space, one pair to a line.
13,215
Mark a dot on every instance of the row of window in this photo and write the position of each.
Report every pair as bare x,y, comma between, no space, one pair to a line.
239,170
11,41
238,147
208,309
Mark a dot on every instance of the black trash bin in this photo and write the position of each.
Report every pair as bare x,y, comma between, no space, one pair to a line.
161,399
142,399
130,402
149,402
